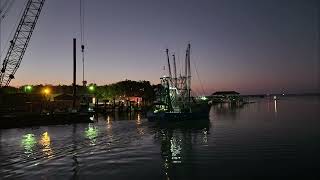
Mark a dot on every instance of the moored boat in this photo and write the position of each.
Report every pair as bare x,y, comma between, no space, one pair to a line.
174,102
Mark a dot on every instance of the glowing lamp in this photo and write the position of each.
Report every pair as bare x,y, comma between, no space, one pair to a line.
46,91
91,88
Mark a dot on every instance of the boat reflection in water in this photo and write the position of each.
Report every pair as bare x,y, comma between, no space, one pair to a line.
177,145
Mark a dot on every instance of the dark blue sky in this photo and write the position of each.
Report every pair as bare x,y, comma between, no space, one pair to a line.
252,46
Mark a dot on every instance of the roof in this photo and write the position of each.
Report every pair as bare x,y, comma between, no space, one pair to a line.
225,93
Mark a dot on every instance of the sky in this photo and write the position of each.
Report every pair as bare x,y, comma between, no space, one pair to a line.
251,46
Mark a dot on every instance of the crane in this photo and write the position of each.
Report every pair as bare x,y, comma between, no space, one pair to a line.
20,41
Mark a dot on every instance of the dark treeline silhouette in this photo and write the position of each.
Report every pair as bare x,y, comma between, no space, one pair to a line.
122,89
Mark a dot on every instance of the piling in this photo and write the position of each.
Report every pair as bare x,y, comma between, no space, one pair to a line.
74,73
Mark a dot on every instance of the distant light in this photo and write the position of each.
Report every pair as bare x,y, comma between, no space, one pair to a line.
46,91
29,87
283,94
91,88
203,98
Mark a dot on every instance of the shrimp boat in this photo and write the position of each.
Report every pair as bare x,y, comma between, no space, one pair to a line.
173,97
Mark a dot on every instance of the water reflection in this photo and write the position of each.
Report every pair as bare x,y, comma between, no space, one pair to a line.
254,144
175,150
140,128
46,142
176,146
205,136
109,124
28,142
138,121
227,110
91,133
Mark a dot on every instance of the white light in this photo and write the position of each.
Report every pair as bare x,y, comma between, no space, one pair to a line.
203,98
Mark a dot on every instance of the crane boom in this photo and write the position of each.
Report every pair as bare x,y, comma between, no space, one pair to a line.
20,41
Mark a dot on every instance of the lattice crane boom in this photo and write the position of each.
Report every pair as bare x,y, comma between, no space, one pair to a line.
20,41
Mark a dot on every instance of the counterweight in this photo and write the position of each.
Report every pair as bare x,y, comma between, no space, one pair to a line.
20,41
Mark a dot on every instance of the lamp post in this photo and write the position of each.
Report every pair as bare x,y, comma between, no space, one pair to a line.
46,92
92,89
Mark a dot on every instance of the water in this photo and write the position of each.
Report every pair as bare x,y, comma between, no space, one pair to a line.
272,139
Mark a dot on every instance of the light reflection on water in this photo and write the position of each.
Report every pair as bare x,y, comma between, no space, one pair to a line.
237,141
91,133
45,142
28,142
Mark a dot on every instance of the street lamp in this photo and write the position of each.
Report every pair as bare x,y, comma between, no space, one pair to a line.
46,91
91,88
28,88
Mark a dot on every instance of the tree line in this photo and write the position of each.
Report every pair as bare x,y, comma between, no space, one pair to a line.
122,89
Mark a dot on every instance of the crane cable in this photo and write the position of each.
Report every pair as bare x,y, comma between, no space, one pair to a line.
5,9
82,38
2,7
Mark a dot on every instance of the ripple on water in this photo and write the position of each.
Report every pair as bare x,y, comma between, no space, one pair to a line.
248,141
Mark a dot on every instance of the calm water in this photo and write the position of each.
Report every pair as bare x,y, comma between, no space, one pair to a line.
264,139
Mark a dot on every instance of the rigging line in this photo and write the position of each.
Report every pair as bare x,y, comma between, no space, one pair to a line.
81,21
82,9
196,69
13,29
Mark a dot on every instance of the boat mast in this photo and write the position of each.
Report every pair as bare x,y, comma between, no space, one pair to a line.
174,70
189,73
169,67
186,73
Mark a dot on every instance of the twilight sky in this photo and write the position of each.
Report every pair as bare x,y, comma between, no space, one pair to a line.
252,46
